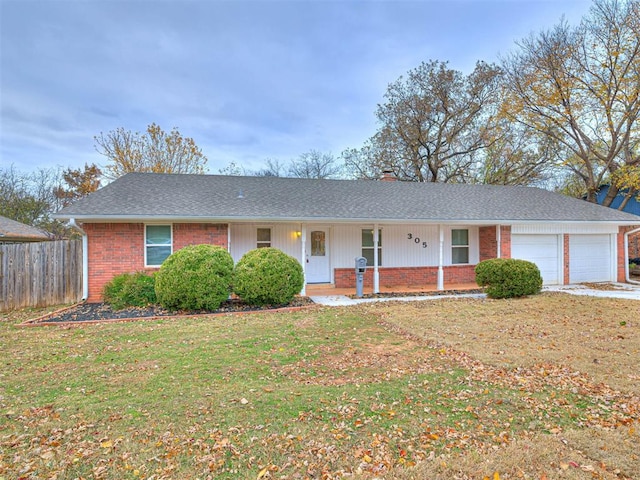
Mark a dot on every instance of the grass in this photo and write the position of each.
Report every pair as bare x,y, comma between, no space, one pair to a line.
441,389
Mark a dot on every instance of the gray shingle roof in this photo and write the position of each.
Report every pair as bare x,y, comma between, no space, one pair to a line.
151,196
10,230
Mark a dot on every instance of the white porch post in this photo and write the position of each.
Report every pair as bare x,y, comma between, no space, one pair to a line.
441,259
376,273
499,241
303,257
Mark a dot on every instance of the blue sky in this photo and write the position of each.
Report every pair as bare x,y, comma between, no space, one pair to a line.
247,80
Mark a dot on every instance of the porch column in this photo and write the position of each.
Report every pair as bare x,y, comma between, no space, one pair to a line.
441,259
303,257
498,241
376,273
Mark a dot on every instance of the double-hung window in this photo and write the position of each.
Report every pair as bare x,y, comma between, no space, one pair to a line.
263,237
460,246
368,247
158,244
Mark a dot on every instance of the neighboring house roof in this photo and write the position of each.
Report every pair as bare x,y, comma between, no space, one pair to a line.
632,206
12,231
167,197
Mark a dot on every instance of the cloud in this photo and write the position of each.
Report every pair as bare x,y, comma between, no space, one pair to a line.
248,80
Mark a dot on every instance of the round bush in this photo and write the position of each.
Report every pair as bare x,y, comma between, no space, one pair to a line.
197,277
508,278
130,290
267,276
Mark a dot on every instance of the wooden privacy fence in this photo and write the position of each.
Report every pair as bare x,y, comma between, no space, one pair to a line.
40,274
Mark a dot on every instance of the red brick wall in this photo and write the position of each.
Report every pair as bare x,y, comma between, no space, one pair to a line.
505,241
406,276
116,248
634,240
488,243
634,245
199,233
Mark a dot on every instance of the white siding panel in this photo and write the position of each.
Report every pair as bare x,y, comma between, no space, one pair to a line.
590,258
557,228
283,237
543,250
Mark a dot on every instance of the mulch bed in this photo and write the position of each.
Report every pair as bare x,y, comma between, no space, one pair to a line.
97,312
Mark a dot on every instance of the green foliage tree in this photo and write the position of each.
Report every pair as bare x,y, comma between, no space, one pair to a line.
267,276
79,183
508,278
29,198
196,277
154,151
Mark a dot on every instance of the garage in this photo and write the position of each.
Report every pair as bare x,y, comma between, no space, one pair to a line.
541,250
590,258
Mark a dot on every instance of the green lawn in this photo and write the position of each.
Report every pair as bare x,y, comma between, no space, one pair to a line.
312,394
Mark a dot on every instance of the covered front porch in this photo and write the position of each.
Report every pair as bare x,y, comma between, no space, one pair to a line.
323,289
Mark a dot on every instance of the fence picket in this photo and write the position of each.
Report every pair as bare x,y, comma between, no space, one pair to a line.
40,274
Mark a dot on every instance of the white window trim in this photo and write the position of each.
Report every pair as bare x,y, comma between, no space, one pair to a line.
373,247
258,242
467,246
170,225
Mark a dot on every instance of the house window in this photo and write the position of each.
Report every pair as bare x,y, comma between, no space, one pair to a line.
459,246
158,244
367,246
264,237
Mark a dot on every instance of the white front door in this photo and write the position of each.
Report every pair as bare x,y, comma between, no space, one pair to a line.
318,268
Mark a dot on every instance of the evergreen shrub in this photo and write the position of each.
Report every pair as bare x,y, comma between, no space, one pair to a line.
508,277
196,277
267,276
130,290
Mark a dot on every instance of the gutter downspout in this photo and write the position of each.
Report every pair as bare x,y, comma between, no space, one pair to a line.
627,277
85,259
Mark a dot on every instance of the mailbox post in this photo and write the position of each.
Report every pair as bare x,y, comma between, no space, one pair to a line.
361,267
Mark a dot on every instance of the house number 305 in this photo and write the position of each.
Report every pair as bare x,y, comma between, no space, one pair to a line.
416,240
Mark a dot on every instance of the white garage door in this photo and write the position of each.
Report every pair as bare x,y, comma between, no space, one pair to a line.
541,250
590,258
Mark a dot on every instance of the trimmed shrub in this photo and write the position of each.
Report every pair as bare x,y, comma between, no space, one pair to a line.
197,277
267,276
508,277
130,290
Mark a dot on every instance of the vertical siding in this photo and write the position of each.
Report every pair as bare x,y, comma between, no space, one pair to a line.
283,237
398,250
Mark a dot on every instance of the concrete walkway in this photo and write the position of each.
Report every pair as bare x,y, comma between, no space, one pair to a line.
609,290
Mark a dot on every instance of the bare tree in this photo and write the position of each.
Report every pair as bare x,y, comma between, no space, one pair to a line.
431,124
314,164
154,151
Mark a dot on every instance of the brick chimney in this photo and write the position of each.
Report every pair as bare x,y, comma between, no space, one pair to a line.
388,176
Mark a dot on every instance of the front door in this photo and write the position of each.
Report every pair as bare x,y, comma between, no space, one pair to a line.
318,269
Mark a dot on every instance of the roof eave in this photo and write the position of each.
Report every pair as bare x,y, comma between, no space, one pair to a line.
254,219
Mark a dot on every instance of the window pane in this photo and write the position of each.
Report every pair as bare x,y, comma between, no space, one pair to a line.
368,254
264,234
318,244
460,237
367,238
158,235
460,255
157,255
